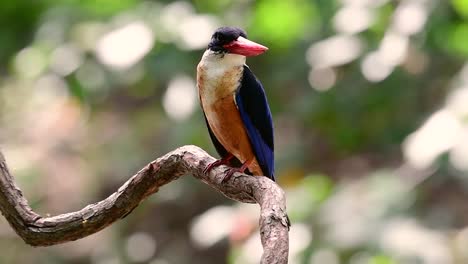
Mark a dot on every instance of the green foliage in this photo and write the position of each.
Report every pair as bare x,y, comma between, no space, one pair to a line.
461,6
382,259
319,187
457,36
284,23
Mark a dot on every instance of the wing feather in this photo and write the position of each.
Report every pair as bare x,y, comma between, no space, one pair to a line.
255,113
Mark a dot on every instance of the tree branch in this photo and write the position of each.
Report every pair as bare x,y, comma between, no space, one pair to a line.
36,230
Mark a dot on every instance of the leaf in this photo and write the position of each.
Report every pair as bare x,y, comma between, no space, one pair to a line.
458,39
318,186
382,259
461,7
283,22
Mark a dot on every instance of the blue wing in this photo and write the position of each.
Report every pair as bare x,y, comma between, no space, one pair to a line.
255,113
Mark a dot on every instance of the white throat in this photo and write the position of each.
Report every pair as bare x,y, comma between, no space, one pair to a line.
221,74
224,60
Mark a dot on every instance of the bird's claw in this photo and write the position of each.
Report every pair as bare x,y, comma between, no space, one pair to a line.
216,163
231,171
229,174
211,166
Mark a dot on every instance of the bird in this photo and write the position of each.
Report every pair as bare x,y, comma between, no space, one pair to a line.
235,105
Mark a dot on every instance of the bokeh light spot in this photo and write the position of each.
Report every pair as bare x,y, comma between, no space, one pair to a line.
125,46
203,25
180,98
410,17
140,247
30,62
353,19
324,255
393,48
212,225
322,79
334,51
374,68
438,134
65,59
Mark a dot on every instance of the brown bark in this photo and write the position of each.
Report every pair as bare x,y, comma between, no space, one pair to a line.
36,230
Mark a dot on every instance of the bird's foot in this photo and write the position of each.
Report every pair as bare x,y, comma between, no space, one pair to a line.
231,171
229,174
223,161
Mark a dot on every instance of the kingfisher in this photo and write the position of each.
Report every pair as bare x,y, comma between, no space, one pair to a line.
235,106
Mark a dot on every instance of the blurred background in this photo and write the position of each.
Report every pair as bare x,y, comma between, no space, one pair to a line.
370,104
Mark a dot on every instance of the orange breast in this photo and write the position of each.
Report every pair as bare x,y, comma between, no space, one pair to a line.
226,123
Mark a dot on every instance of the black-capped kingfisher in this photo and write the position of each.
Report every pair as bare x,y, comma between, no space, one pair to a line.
235,105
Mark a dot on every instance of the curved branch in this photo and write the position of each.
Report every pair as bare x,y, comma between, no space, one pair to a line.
36,230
